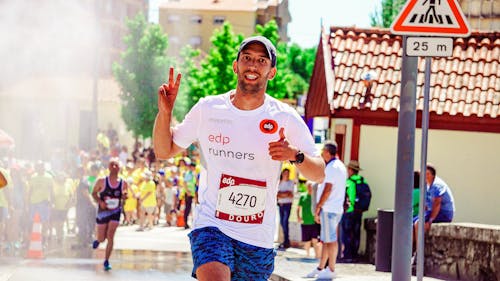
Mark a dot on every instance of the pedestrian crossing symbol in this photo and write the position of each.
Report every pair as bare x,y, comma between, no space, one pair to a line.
431,17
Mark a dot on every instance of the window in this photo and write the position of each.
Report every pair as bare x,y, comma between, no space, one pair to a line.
196,19
173,18
174,40
195,41
219,19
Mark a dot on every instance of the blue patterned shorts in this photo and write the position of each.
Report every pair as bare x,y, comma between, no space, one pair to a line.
246,262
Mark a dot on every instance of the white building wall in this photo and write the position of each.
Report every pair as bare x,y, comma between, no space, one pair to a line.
468,161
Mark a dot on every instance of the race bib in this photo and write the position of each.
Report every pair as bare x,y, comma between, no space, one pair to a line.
241,200
112,203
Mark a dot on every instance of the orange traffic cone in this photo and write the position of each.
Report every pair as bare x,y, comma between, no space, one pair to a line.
35,251
180,219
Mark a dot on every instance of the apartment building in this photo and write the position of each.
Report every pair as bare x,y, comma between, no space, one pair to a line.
194,21
65,50
112,16
482,14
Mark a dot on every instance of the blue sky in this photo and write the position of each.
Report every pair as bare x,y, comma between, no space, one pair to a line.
308,14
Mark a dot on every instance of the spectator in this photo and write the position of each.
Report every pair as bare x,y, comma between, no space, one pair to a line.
351,220
85,209
147,201
329,209
416,192
130,205
189,190
4,203
62,201
285,200
123,156
310,229
41,196
439,203
170,200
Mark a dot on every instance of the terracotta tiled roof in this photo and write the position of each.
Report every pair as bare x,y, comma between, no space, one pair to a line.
466,84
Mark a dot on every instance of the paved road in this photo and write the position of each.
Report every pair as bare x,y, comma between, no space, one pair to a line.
162,253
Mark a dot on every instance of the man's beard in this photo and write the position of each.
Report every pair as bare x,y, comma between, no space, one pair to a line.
253,88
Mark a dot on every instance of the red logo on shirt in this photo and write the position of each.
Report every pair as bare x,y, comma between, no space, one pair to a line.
268,126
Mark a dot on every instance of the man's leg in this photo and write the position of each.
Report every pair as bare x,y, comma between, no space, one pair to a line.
356,234
213,271
187,210
347,235
286,217
252,262
110,236
331,255
213,255
102,229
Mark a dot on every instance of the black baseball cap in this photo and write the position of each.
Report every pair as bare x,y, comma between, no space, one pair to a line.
271,50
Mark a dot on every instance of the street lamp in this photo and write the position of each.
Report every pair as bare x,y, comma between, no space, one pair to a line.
368,79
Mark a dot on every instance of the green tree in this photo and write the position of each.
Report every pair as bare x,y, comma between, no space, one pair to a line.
301,60
214,73
143,68
294,64
387,13
279,87
191,89
217,68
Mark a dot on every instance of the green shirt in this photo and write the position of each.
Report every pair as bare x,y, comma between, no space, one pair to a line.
91,181
305,202
351,190
416,201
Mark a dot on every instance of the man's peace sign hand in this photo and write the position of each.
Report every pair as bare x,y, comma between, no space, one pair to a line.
167,93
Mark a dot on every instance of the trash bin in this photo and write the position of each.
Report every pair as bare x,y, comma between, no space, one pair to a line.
384,240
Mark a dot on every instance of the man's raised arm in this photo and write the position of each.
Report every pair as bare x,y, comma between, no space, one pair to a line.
163,143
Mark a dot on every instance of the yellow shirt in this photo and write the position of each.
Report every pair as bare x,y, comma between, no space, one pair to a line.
291,167
62,195
137,175
131,202
150,200
40,187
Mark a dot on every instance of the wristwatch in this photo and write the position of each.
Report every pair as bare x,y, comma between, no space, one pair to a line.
299,158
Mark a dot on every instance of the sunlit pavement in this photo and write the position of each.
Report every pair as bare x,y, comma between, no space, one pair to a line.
162,253
292,265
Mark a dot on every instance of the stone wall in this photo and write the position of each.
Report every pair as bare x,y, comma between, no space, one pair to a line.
463,251
454,251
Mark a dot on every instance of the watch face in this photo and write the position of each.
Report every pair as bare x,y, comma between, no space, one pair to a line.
299,158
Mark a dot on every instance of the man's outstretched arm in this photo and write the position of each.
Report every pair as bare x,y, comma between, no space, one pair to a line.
163,143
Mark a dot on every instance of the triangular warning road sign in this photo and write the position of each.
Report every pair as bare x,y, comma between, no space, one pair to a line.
431,17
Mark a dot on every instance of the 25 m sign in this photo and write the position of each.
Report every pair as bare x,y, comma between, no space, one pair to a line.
429,47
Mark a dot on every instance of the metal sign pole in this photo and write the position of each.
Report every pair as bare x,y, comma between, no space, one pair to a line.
423,169
402,225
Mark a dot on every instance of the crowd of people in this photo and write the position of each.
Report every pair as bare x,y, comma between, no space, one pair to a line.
60,191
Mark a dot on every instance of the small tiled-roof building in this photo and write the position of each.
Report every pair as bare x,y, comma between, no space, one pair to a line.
464,139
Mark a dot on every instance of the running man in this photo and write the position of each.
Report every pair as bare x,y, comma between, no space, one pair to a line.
244,136
109,193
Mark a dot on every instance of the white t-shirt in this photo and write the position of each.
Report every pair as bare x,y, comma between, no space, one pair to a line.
237,192
336,174
286,186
